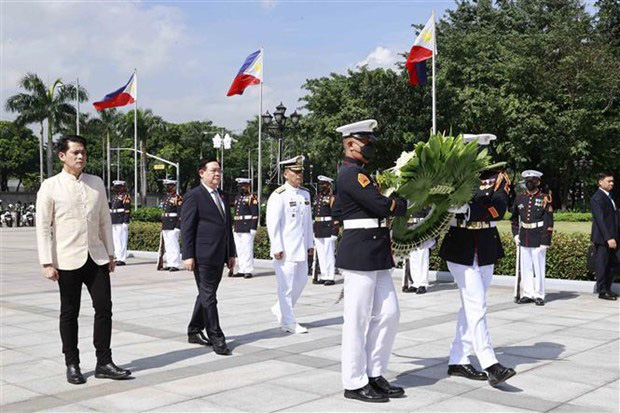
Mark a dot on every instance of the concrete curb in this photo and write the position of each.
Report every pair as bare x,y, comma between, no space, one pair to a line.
446,277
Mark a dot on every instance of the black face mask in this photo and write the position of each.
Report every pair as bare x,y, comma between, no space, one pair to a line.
243,191
531,185
368,151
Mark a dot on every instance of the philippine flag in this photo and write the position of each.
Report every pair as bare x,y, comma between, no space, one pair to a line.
423,49
120,97
251,73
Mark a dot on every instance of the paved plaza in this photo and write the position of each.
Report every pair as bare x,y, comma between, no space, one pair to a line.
566,354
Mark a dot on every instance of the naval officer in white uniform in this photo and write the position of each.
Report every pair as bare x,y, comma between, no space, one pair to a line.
289,224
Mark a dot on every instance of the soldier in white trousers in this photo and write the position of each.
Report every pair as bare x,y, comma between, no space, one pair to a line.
171,226
289,224
120,212
244,228
416,280
325,231
364,256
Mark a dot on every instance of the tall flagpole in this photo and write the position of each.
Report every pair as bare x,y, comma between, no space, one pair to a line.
260,136
433,87
135,142
77,99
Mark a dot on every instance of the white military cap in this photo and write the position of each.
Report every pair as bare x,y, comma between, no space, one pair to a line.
323,178
362,129
483,138
118,183
170,181
243,180
530,173
294,164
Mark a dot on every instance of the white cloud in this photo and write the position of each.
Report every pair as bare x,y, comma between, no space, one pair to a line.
381,57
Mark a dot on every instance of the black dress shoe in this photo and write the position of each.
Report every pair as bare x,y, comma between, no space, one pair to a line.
606,295
198,338
173,269
166,269
329,282
111,371
120,263
612,293
221,349
525,300
74,375
499,374
421,290
466,370
540,301
366,394
230,273
409,289
381,385
247,275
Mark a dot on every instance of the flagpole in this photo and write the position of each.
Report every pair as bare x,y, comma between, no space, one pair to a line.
135,143
260,129
77,99
108,160
433,74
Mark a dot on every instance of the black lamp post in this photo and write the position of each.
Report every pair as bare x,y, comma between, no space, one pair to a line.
278,128
583,167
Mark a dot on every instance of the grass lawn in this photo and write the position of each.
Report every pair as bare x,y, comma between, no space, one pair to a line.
583,227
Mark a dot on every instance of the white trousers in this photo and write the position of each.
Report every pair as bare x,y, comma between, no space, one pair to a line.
419,260
172,257
533,264
371,317
472,333
120,235
291,277
326,253
244,241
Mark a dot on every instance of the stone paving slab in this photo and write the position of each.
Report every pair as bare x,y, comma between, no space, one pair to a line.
566,353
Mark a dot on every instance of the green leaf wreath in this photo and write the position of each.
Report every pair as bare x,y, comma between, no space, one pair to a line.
437,175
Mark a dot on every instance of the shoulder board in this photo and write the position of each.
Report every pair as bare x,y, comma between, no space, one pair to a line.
305,189
280,189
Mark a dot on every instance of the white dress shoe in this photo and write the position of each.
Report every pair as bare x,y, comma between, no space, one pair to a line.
275,309
295,329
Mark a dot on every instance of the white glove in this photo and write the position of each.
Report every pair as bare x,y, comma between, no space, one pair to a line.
517,240
463,209
334,237
253,232
544,246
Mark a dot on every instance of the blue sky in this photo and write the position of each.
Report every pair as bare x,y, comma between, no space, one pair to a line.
187,53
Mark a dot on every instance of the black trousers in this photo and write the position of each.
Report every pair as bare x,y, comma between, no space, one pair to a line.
205,315
605,262
97,280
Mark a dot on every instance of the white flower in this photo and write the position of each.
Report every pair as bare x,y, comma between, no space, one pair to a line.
403,160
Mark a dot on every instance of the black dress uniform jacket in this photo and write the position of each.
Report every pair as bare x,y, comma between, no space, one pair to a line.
120,202
171,216
359,197
489,204
246,206
534,210
322,208
605,225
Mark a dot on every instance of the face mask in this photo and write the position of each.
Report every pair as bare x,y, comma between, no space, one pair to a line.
243,190
367,151
530,185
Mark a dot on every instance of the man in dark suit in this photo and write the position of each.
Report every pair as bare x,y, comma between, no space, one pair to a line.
605,235
208,244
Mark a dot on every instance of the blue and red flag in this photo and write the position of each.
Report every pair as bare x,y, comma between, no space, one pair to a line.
251,73
423,49
121,97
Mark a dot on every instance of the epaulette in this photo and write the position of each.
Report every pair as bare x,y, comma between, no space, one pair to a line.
503,178
280,189
548,201
305,189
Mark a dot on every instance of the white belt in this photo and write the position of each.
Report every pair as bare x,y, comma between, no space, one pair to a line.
472,224
170,214
117,210
322,219
364,223
532,225
240,217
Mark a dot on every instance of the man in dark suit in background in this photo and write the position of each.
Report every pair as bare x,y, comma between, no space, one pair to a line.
208,244
605,235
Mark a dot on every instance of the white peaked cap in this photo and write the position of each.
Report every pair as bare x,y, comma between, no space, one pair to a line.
118,183
530,173
242,180
295,163
483,138
362,127
323,178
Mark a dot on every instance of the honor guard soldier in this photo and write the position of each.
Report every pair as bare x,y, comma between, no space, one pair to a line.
244,227
120,210
289,224
325,231
415,275
471,248
171,226
364,257
532,227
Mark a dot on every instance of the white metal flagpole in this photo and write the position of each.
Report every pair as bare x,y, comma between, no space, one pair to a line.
260,135
433,74
77,99
135,142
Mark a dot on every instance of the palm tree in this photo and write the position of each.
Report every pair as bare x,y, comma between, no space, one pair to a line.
105,126
45,103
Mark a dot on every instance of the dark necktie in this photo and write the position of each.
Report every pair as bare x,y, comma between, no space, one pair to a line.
217,204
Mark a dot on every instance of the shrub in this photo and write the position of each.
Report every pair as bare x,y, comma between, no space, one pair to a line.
144,236
146,214
560,216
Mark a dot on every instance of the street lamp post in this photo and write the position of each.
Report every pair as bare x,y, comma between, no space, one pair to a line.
222,143
279,127
582,165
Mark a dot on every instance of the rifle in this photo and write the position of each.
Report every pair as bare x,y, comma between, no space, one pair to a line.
517,292
161,251
314,264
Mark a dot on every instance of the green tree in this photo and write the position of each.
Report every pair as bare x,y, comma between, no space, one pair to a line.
18,151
